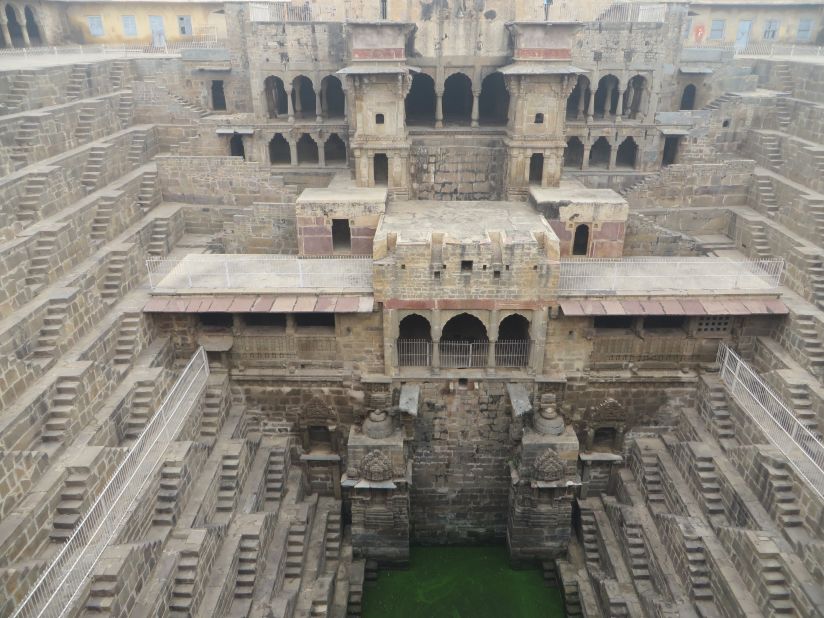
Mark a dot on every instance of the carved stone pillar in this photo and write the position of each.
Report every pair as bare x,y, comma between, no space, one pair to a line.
475,111
439,110
591,108
4,28
289,106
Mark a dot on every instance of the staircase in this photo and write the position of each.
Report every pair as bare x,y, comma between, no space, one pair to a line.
783,117
61,410
40,263
816,274
16,97
147,195
212,409
94,168
718,414
784,504
784,77
28,209
802,407
275,472
228,483
157,241
589,537
247,560
776,584
126,339
766,195
805,328
102,218
652,479
816,209
46,346
70,507
294,549
165,512
85,121
637,551
697,568
332,542
125,108
118,68
137,148
710,489
771,149
182,599
192,107
23,141
77,82
719,101
140,409
113,280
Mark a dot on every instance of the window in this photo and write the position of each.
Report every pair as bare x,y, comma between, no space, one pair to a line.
805,29
383,9
771,29
713,325
539,119
216,320
717,29
379,119
129,25
466,266
218,95
315,320
620,322
664,322
277,320
184,24
95,25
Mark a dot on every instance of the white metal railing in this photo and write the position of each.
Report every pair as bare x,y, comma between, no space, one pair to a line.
463,354
512,352
655,274
760,48
65,577
414,352
286,11
621,11
229,271
775,418
206,41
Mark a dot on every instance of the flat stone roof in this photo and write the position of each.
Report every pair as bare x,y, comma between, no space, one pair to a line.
574,192
337,194
463,222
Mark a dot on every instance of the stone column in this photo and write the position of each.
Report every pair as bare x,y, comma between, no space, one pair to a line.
493,340
319,115
619,111
290,108
591,109
538,326
26,41
438,110
4,28
475,110
630,94
293,150
321,153
613,154
324,100
608,99
585,161
436,340
582,96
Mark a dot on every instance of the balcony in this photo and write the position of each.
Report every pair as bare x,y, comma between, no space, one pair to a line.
658,349
505,354
263,350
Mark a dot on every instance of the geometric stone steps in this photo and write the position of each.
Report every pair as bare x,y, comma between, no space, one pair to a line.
333,539
61,410
125,108
213,408
16,97
192,107
157,241
710,489
294,549
147,195
275,472
783,75
589,537
785,506
772,149
127,339
720,424
77,81
719,101
53,325
228,483
760,241
651,481
815,272
23,141
697,567
94,167
28,209
140,408
40,263
182,598
802,406
782,112
113,280
166,507
137,147
766,194
118,67
85,120
71,505
804,327
102,217
248,552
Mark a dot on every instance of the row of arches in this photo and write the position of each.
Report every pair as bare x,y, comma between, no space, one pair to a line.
458,103
600,154
19,27
610,98
303,151
299,99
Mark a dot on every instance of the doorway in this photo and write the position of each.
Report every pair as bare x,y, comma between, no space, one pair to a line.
158,30
742,37
218,96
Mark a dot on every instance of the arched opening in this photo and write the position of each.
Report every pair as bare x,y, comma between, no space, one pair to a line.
276,102
599,153
627,153
670,150
307,150
32,28
574,153
303,98
580,242
512,347
536,168
688,97
420,102
334,150
15,30
464,342
634,96
578,99
457,99
381,169
604,438
279,151
236,148
606,96
493,102
332,99
414,341
218,96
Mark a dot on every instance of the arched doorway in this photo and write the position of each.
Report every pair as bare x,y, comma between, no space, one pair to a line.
513,345
457,99
627,154
334,150
578,99
236,148
307,150
580,241
279,151
574,154
688,98
303,98
634,96
464,342
599,153
414,341
420,102
218,95
14,27
32,28
670,150
606,96
493,102
332,99
276,103
381,169
536,168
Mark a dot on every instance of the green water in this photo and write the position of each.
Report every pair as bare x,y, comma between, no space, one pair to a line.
461,582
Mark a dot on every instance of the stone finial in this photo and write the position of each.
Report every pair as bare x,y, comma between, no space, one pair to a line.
376,467
548,466
547,420
378,424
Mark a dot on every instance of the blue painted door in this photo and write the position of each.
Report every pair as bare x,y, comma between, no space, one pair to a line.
158,30
742,37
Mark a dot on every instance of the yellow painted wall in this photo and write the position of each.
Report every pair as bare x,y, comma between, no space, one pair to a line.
788,16
113,23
